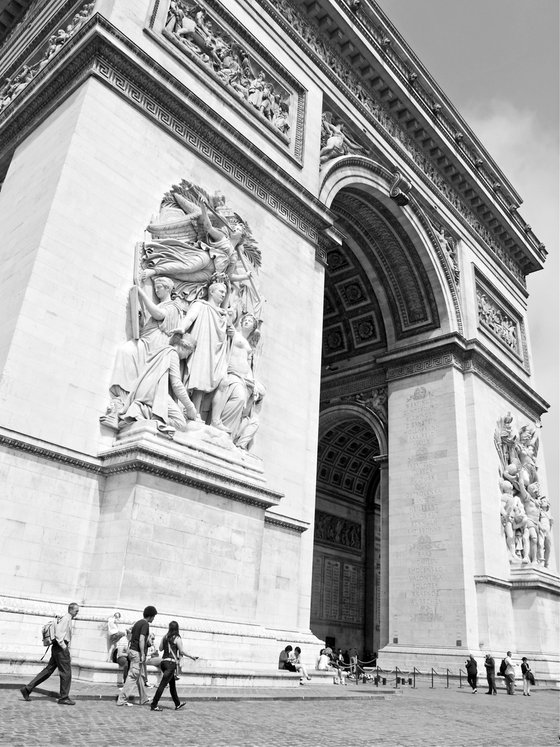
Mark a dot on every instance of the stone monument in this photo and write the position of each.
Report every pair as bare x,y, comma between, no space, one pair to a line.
263,357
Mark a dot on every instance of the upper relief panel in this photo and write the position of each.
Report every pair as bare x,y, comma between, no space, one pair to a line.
212,43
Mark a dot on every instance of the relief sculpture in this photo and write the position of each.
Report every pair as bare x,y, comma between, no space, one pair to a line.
525,512
15,84
335,140
196,319
202,38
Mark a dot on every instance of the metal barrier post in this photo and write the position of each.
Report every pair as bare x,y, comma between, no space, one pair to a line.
460,678
447,679
432,677
396,676
414,670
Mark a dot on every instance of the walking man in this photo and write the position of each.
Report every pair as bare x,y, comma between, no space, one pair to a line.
60,658
137,656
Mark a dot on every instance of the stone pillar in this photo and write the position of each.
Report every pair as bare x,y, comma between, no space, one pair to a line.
382,637
432,598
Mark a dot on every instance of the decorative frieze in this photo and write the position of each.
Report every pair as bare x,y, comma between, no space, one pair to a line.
335,530
207,35
336,67
524,511
42,55
501,324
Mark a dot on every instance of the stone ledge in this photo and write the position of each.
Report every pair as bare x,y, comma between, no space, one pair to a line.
108,673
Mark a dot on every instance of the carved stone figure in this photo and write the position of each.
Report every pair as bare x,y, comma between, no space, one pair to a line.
201,259
190,248
238,397
13,86
150,398
521,509
209,325
545,532
205,41
163,317
335,141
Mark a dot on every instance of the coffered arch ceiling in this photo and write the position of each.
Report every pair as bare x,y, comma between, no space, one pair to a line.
389,268
345,458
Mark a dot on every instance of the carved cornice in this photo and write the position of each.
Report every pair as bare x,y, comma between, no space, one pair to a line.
467,356
536,579
146,460
50,452
286,522
492,581
141,457
326,51
100,50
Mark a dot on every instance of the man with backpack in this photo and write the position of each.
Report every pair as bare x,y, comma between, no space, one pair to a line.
508,672
60,658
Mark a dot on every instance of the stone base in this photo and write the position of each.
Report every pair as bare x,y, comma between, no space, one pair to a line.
224,649
190,676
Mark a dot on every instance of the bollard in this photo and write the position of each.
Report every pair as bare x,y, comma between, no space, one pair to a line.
384,681
410,681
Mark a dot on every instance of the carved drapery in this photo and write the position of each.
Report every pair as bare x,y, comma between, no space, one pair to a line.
524,510
208,35
497,321
195,314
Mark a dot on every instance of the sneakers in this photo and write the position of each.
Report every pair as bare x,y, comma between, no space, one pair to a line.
301,682
25,693
156,708
66,701
129,705
181,705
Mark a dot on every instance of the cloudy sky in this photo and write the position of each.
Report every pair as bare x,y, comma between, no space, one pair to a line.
498,62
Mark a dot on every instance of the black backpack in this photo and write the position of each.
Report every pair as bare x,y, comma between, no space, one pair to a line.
503,667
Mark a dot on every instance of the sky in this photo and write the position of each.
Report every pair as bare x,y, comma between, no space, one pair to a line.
498,63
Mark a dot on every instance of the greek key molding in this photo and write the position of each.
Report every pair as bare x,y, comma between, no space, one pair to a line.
445,360
294,141
141,458
95,50
469,357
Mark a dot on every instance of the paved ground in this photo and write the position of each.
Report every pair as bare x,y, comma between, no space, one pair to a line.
320,716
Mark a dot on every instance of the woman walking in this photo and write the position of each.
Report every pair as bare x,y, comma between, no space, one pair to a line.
172,647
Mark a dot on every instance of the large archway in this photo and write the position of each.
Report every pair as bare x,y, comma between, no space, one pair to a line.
384,289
